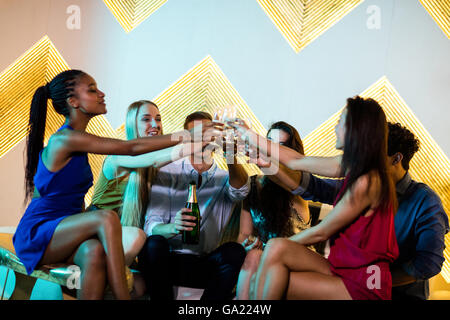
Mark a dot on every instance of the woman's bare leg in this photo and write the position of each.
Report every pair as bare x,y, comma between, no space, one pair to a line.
91,259
249,268
252,287
281,258
139,287
75,229
133,240
316,286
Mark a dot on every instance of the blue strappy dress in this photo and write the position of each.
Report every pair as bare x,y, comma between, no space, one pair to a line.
61,195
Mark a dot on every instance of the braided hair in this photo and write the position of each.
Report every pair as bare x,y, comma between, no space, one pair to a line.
59,89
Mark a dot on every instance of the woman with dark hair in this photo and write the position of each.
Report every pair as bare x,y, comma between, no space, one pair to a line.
53,228
270,210
360,226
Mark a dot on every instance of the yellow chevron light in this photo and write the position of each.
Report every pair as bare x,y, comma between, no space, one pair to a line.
429,165
302,21
440,12
203,88
19,81
130,13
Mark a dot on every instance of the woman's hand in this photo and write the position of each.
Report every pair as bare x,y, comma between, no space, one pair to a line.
244,134
263,161
240,127
206,132
252,244
256,157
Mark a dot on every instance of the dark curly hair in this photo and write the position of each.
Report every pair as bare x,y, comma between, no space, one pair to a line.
273,202
402,140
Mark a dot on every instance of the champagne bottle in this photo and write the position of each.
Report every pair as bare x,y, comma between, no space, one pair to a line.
193,236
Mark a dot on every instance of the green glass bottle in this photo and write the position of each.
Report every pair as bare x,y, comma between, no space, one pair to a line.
193,236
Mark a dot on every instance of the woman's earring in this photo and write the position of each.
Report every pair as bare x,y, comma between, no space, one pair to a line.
397,159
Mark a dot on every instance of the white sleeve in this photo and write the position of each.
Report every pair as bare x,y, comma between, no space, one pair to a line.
238,194
159,207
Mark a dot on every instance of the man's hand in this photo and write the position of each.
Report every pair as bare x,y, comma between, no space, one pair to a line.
184,222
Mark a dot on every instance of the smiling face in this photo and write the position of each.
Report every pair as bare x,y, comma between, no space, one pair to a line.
148,121
340,130
88,98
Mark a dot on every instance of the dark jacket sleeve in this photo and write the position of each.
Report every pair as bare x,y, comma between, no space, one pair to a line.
318,189
430,229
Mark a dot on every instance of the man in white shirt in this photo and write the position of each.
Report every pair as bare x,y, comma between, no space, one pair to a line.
165,261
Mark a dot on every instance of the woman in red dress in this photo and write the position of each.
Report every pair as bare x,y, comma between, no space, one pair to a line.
360,226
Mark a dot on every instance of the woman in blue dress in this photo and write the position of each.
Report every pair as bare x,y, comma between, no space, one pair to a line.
53,228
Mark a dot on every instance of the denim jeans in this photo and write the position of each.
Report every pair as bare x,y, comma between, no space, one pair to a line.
216,272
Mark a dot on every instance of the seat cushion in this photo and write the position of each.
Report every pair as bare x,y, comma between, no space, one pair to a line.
6,242
59,273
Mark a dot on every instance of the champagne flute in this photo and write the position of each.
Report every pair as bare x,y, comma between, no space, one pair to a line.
218,115
230,113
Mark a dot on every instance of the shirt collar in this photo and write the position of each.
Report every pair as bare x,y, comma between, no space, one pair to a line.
403,184
189,169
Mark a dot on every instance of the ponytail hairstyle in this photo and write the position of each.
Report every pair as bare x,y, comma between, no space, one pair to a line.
58,90
136,195
365,147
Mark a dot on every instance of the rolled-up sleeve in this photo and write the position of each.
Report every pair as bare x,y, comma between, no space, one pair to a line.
238,194
430,230
159,208
317,189
151,220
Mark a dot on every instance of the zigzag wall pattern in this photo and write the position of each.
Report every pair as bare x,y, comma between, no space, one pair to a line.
302,21
205,87
131,13
430,164
440,12
18,82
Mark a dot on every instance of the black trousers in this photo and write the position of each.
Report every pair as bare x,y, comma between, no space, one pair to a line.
216,272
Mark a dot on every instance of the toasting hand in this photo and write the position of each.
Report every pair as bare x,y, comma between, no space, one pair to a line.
206,132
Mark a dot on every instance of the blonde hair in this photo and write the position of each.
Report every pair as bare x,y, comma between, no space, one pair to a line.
136,195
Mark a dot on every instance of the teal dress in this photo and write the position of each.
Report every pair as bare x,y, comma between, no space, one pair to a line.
61,195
